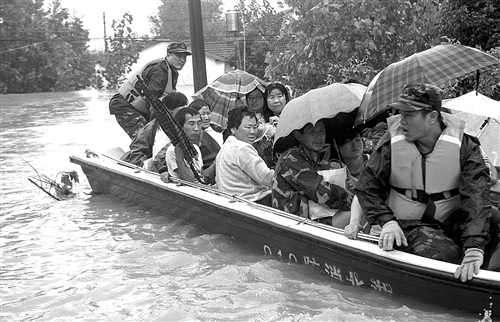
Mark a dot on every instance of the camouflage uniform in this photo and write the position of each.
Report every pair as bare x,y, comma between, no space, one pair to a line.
131,119
467,228
141,147
296,181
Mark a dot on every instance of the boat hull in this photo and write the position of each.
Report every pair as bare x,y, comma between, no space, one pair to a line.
357,262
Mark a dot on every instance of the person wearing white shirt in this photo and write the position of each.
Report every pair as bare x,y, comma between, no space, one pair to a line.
177,166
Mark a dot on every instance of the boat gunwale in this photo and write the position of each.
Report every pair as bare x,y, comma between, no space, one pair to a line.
419,266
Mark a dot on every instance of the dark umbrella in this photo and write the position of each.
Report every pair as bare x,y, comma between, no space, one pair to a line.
440,65
170,126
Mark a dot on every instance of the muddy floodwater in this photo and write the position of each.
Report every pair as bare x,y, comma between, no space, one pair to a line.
95,258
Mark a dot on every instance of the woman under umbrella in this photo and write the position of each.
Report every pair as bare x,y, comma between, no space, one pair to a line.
276,98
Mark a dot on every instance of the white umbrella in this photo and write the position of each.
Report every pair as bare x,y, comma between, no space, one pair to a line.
482,117
337,102
474,103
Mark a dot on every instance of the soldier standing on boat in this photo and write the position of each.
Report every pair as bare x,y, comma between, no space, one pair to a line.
131,110
427,186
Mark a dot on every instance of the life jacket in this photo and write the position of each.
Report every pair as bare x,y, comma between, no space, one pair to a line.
130,93
414,178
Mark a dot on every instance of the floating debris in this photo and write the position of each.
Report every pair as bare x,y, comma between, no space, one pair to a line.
57,190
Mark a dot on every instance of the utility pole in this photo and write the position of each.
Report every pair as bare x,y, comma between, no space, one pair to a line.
197,45
104,23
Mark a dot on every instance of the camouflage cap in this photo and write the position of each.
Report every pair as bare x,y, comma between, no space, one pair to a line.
417,97
178,48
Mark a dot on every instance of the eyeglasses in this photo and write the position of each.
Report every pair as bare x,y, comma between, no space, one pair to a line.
254,98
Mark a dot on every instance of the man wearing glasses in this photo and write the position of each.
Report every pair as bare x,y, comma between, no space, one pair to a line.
132,111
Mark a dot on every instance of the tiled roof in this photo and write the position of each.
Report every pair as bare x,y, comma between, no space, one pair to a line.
220,49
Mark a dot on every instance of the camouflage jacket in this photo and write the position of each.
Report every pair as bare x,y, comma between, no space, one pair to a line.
472,226
296,182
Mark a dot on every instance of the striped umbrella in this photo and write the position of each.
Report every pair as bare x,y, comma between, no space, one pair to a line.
223,94
169,124
440,65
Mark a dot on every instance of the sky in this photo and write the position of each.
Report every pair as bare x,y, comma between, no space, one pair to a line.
92,11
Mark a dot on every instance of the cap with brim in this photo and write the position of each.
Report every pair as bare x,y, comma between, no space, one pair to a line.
178,48
418,97
180,51
410,106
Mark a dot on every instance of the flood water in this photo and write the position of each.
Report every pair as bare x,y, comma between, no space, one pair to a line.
95,258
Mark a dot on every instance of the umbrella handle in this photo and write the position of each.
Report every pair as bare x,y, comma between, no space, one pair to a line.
486,122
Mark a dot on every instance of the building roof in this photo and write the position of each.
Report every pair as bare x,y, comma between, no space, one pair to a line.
221,49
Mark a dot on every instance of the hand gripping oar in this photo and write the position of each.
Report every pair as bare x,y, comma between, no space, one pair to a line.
171,127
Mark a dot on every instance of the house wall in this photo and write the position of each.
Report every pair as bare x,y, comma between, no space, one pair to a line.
185,82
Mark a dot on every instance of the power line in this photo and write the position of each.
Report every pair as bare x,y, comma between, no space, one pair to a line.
207,39
13,49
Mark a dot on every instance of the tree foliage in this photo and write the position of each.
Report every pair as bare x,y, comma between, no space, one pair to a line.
472,22
42,50
262,26
172,21
124,50
337,40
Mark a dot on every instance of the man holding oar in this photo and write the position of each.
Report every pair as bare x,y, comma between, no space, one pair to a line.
131,110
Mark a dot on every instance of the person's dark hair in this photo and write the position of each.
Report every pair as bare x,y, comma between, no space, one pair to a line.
174,100
266,111
256,89
236,115
345,134
180,116
198,104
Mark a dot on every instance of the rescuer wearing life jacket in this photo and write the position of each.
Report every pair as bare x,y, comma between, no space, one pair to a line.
427,185
132,111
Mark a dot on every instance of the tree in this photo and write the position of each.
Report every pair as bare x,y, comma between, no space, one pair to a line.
472,22
262,28
41,50
67,57
475,24
172,21
124,50
336,40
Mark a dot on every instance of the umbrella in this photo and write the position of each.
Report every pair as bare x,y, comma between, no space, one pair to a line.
223,93
338,101
170,126
440,66
475,103
482,119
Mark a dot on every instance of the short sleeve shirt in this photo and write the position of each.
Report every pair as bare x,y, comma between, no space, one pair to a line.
172,163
